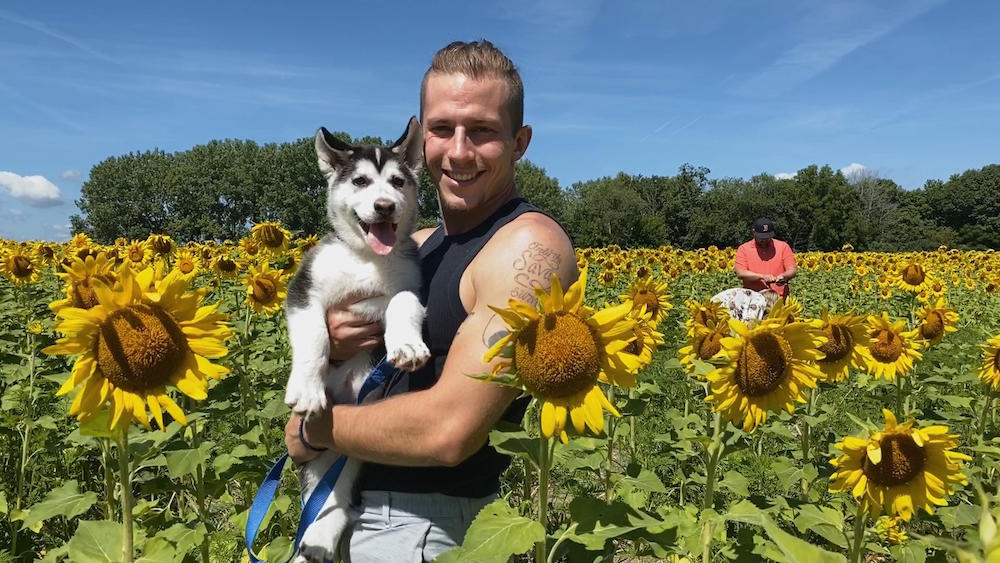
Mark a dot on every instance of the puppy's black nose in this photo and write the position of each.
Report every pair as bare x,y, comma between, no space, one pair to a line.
384,207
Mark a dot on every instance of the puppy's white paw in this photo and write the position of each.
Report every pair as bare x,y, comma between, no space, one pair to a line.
306,399
409,356
319,543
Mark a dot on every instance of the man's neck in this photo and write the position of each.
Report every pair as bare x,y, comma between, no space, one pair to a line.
457,222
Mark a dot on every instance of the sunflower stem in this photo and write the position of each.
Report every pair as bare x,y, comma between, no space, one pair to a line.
109,479
200,492
125,480
28,424
859,532
544,464
899,396
245,372
612,426
713,455
985,415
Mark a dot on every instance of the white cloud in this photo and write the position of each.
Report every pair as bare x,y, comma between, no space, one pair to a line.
35,191
855,170
784,175
15,212
70,175
60,233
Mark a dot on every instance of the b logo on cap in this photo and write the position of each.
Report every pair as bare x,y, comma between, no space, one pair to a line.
765,228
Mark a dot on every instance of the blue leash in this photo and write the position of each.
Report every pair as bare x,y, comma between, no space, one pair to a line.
380,375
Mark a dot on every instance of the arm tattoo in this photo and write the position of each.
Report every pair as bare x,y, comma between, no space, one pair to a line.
534,268
494,330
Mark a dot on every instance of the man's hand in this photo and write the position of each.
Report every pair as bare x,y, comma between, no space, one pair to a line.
350,334
315,429
768,278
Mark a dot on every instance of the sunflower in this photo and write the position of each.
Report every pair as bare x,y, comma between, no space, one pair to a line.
899,468
990,372
651,294
306,244
137,255
225,266
78,277
891,351
187,263
911,276
266,289
251,249
786,310
18,264
647,339
768,368
558,352
890,529
705,344
142,335
846,345
935,321
708,314
271,236
45,253
161,245
885,292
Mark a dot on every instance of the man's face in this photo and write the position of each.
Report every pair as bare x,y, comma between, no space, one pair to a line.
469,146
762,242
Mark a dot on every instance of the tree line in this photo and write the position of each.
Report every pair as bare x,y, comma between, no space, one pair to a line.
218,190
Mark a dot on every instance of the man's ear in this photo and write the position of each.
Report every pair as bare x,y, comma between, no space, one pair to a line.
521,141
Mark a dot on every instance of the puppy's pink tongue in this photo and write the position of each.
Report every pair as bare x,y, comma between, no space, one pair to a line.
381,238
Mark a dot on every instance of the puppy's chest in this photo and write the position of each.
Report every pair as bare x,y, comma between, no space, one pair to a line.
338,272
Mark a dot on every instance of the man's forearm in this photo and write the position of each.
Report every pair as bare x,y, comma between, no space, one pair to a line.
747,275
413,429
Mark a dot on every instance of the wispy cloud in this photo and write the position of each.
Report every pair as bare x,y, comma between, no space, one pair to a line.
45,30
856,171
36,191
828,38
70,175
920,100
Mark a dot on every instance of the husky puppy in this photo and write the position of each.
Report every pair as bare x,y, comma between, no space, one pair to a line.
372,205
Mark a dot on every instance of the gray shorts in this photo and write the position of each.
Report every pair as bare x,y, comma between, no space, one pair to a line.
408,527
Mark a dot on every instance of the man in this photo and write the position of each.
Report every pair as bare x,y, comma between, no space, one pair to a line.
428,466
765,262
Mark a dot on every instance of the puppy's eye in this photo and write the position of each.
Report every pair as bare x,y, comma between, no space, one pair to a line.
361,181
397,182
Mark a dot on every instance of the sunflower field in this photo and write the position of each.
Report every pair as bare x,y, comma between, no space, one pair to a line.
142,386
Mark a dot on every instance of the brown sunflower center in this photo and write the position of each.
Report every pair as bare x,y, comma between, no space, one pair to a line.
271,236
710,345
913,274
186,266
933,325
161,245
21,266
839,342
557,356
46,252
264,290
902,460
649,299
226,266
886,346
136,254
642,272
82,294
762,363
140,347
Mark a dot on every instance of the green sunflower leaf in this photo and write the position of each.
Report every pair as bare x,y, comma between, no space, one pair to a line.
497,533
65,500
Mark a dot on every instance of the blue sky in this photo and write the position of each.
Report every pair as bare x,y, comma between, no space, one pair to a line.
908,89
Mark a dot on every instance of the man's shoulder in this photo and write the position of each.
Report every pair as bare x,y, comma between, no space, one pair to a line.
782,245
746,246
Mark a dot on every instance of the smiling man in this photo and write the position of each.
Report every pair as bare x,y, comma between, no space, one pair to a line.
429,467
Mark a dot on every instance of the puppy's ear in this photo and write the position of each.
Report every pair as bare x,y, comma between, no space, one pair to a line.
331,152
411,145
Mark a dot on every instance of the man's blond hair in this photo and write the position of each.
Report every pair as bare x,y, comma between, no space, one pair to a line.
478,60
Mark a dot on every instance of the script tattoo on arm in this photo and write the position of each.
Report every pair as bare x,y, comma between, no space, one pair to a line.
534,268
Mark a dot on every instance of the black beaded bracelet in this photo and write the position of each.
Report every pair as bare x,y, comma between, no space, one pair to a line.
302,437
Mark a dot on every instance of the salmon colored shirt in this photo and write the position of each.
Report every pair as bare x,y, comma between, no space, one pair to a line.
774,259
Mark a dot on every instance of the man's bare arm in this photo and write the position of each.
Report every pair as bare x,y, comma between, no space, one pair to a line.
445,424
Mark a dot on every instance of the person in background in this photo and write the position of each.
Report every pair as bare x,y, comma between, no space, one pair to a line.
765,262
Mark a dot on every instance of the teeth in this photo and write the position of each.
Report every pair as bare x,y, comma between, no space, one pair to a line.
461,177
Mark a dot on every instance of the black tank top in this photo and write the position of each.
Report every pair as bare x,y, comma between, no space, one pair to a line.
443,260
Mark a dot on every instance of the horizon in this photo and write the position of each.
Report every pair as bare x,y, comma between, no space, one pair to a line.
903,91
